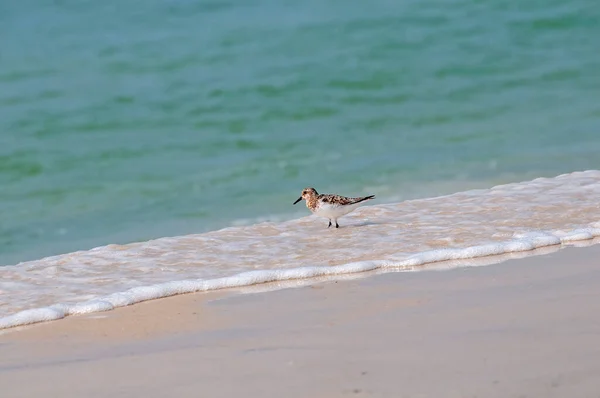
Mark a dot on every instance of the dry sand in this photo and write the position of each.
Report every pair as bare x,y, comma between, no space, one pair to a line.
522,328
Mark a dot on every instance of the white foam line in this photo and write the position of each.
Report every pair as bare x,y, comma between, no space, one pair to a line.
522,243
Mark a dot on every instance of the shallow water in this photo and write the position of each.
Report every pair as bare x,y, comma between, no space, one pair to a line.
127,121
408,235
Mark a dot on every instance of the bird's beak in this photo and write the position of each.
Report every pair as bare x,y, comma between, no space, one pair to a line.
298,200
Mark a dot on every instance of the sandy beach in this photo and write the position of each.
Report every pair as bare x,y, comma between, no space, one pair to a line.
521,328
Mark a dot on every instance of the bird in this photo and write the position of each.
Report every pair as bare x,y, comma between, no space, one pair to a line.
330,206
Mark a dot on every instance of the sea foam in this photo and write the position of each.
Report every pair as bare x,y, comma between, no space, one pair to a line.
405,236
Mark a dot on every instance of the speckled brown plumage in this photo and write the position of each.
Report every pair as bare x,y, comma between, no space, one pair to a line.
327,205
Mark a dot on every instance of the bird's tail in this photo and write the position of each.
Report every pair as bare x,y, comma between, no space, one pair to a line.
358,200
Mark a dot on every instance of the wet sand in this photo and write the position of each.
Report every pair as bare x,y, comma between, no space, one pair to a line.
521,328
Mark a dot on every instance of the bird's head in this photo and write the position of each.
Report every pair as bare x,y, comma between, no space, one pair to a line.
307,193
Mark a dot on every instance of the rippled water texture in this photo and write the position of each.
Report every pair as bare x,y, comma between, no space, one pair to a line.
123,121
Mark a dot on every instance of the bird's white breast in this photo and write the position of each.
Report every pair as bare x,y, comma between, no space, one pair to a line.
328,210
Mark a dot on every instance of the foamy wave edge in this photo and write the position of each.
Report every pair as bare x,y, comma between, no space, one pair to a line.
522,243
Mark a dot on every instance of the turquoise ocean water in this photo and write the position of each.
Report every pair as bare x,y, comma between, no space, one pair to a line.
124,121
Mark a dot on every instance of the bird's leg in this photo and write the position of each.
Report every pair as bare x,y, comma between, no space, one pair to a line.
329,224
336,224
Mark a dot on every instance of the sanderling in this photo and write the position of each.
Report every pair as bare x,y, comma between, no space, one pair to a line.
330,206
